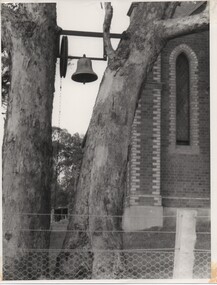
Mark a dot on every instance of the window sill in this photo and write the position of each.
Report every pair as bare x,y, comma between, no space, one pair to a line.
184,149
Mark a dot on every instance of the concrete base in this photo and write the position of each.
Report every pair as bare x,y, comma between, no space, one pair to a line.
137,218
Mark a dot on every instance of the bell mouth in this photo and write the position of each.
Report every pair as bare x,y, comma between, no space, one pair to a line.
84,77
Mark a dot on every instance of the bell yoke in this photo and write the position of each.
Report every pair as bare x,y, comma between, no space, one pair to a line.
84,72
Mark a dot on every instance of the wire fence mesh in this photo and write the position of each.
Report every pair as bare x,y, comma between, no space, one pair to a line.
147,254
202,265
137,264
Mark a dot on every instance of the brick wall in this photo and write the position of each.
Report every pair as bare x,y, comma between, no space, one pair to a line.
158,167
185,170
144,166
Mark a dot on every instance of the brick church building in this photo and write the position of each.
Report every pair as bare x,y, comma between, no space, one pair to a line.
169,166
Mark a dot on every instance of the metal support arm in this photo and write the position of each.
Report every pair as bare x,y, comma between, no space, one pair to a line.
92,35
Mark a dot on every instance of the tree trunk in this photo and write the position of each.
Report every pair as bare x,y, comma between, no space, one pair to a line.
95,224
31,35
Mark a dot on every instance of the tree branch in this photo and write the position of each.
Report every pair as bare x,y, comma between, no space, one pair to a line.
106,30
182,26
170,8
7,18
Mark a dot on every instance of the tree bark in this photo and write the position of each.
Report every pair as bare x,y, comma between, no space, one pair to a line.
31,36
95,224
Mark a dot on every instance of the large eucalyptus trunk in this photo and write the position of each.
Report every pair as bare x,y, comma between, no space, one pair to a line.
30,34
95,224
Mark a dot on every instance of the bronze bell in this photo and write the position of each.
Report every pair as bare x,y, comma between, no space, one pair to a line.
84,72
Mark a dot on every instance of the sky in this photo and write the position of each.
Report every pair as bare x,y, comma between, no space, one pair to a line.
72,108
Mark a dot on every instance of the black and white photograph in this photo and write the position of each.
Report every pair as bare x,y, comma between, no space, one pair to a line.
107,141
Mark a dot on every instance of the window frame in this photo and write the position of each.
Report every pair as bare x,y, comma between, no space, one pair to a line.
193,146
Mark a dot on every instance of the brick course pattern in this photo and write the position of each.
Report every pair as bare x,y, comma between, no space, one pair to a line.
157,166
144,166
133,182
156,129
185,170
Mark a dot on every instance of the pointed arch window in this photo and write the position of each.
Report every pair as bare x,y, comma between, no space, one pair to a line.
182,100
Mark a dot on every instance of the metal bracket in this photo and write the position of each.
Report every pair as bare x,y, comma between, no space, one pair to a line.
64,47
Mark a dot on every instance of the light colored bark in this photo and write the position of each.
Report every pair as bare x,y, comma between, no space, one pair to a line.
182,26
106,30
101,184
32,38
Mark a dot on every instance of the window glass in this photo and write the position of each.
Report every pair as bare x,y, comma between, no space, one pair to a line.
182,100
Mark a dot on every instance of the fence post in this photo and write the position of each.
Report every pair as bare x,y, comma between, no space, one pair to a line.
184,244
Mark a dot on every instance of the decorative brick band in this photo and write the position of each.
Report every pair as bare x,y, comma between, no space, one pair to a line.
138,194
145,200
135,159
156,134
186,198
186,202
157,70
194,107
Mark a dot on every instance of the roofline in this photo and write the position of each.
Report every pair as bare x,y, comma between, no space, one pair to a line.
195,8
134,4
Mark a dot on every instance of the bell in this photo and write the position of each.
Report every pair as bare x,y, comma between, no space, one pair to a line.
84,72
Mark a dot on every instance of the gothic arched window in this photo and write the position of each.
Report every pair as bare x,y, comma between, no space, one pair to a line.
182,100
